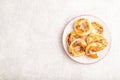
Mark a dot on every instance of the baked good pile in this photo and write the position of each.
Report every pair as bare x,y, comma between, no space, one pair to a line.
86,39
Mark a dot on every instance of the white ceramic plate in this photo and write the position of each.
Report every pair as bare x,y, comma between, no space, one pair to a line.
84,59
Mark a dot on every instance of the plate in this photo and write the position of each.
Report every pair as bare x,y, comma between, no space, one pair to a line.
84,59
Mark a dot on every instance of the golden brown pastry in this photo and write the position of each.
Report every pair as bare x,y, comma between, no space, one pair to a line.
82,27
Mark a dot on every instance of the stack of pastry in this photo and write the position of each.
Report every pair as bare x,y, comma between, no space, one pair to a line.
86,39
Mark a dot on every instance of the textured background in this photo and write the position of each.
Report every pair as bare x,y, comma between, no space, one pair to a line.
30,40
